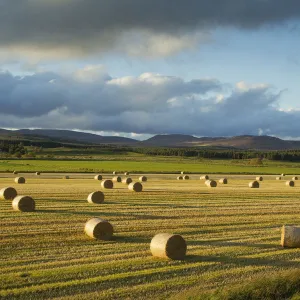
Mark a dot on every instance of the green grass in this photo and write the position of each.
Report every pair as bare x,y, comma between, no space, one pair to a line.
149,165
277,286
232,232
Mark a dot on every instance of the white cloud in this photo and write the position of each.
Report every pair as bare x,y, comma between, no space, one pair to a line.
90,99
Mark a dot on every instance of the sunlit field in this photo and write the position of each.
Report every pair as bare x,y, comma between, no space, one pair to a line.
150,164
232,233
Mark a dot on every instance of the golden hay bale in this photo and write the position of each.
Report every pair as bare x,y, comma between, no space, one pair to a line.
186,177
127,180
168,245
259,178
66,177
20,180
107,184
223,181
143,179
96,197
211,183
15,172
179,178
254,185
290,236
295,178
37,173
278,178
117,179
290,183
135,186
23,203
114,172
8,193
126,173
182,172
99,229
204,177
282,174
98,177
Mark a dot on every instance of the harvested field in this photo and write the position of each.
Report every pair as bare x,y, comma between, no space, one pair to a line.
232,232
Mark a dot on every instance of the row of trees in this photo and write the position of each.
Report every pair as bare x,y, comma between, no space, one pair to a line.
287,155
16,149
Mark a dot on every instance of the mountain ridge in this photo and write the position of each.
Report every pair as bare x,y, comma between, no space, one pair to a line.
243,142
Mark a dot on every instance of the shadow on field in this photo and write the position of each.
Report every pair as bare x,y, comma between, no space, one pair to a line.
131,239
244,261
225,243
152,217
86,213
234,244
55,200
168,205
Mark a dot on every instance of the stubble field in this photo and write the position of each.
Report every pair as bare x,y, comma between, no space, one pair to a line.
232,233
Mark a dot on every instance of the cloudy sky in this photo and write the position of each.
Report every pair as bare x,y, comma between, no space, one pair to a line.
143,67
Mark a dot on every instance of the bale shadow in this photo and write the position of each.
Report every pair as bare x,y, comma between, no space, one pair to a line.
152,217
246,261
130,239
224,243
87,213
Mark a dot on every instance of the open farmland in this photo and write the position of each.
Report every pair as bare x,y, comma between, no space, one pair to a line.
150,164
232,233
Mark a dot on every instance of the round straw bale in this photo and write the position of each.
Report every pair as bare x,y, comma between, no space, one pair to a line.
168,245
254,184
186,177
99,229
290,236
117,179
204,177
143,179
211,183
135,186
278,178
98,177
8,193
282,174
15,172
126,173
114,172
223,181
259,178
295,178
179,178
66,177
37,173
96,197
20,180
182,172
23,203
127,180
290,183
107,184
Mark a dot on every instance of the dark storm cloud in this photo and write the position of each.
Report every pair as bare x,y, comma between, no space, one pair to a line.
84,26
90,99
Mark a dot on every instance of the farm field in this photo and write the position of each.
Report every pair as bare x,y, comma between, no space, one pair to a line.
150,164
232,233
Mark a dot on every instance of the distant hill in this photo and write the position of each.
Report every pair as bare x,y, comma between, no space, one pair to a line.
239,142
83,137
168,140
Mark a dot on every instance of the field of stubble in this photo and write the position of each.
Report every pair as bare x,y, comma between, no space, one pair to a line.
232,233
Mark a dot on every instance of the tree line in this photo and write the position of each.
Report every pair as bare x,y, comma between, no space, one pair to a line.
18,149
286,155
